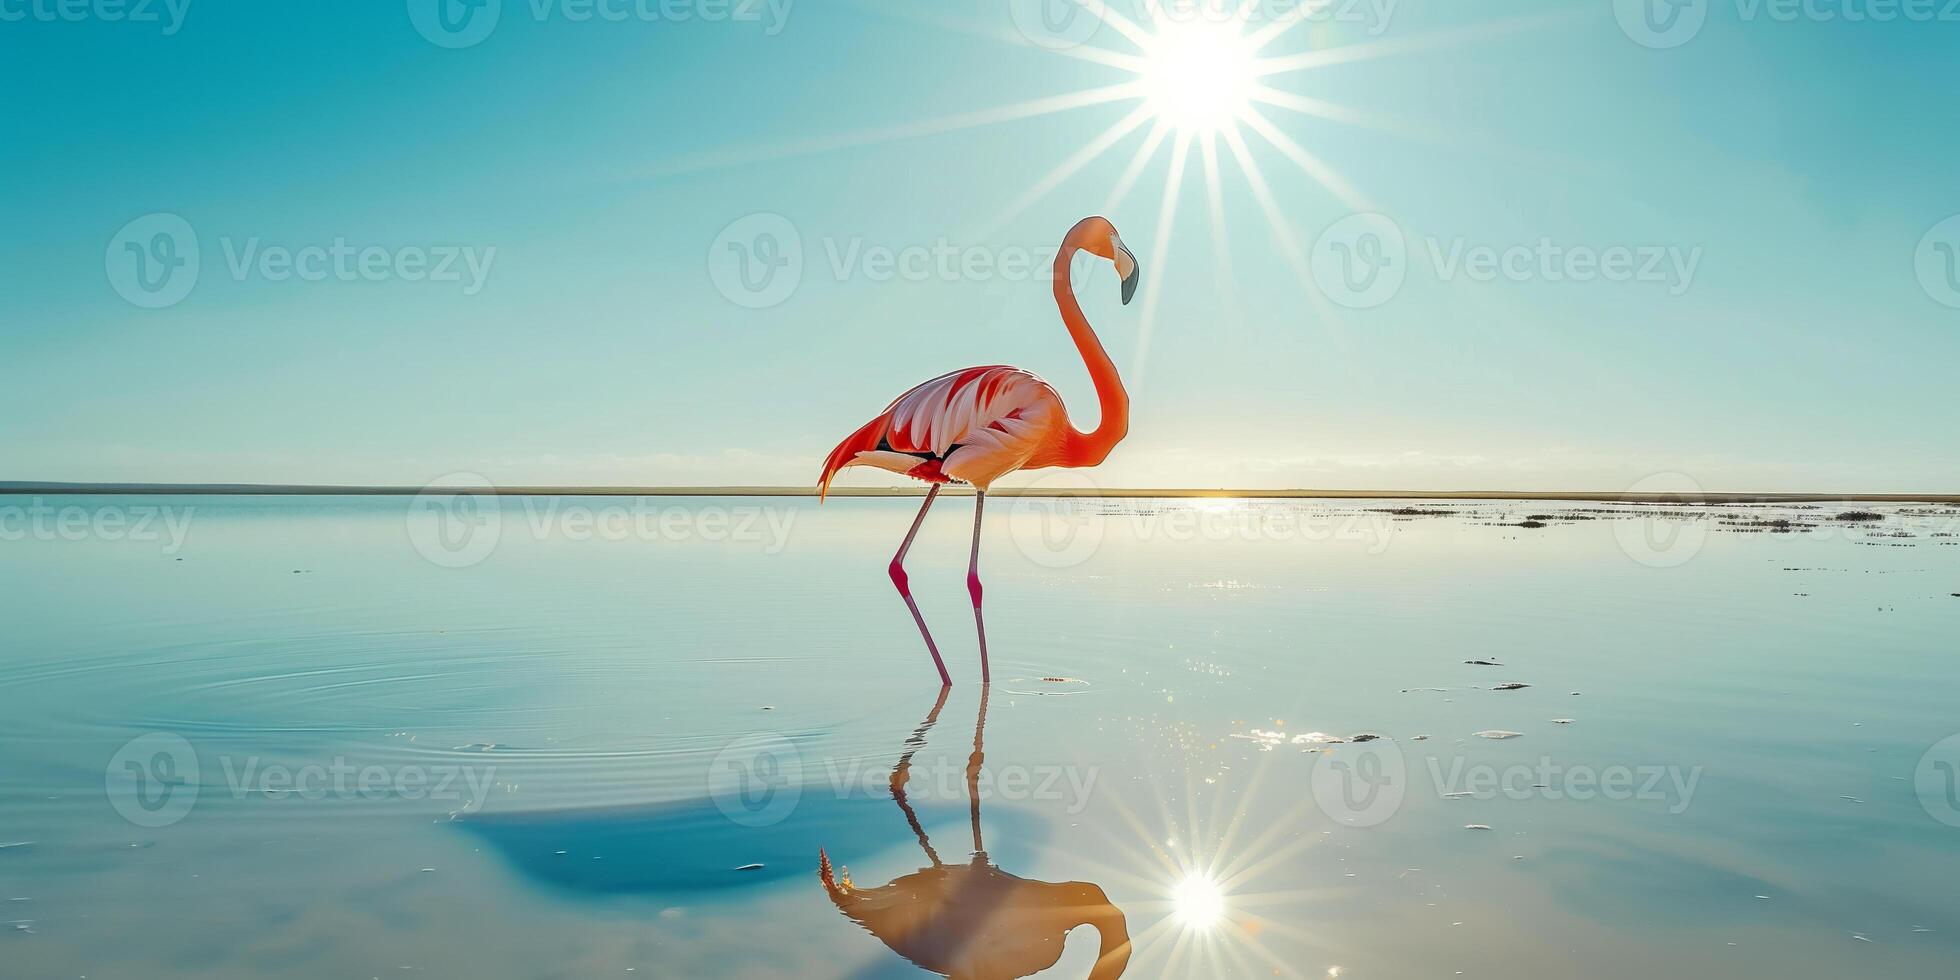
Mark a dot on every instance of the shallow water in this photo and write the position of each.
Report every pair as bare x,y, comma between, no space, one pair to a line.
537,737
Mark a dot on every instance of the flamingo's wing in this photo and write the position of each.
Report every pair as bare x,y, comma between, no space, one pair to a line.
972,425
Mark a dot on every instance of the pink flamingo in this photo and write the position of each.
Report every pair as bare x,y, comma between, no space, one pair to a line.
979,424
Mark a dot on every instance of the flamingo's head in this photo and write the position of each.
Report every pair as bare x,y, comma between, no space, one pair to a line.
1098,237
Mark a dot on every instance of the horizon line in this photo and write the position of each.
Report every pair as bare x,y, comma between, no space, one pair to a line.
20,488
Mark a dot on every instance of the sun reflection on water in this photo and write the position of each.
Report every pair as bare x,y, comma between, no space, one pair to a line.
1198,902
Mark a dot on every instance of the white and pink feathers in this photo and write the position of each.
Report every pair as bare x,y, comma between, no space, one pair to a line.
974,426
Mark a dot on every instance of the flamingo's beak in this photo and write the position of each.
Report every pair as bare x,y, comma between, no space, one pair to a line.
1126,267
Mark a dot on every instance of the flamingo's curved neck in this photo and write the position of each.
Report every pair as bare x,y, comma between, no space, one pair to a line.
1090,448
1112,952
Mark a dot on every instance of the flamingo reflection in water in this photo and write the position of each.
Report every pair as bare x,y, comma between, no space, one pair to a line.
973,921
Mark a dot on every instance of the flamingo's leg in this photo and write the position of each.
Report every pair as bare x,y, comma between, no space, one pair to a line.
905,590
902,772
973,583
973,763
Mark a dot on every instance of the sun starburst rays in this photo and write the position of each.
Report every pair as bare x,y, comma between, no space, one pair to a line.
1194,75
1159,251
1199,892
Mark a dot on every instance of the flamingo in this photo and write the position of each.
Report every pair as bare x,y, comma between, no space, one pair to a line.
979,424
974,921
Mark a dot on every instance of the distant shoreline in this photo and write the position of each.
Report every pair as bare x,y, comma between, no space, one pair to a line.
300,490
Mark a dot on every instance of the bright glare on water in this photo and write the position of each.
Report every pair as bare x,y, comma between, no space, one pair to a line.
572,737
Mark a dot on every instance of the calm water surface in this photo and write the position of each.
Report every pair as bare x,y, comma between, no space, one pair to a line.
314,737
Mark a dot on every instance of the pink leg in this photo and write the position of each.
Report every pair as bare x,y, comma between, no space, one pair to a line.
904,588
973,584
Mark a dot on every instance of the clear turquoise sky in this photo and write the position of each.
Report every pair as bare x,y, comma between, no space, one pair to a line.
1800,163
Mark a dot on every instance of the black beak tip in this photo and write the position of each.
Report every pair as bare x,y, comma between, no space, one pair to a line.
1130,287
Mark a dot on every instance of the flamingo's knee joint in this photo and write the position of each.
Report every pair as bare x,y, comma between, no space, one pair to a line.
973,588
899,578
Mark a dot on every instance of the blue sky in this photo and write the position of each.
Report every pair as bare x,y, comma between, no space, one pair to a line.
1796,166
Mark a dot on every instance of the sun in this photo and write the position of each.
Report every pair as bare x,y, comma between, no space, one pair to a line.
1198,902
1199,76
1215,84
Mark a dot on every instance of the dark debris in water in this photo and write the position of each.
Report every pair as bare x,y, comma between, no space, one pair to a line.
1859,515
1774,525
1483,663
1510,686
